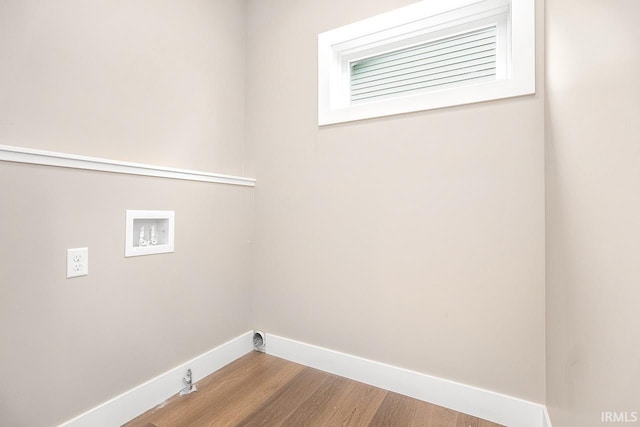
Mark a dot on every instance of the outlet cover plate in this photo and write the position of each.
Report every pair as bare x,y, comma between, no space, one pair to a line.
77,262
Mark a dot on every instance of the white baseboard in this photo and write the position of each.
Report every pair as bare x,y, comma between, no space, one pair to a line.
495,407
499,408
140,399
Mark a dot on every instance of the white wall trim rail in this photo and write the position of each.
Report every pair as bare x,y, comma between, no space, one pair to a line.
499,408
140,399
547,419
51,158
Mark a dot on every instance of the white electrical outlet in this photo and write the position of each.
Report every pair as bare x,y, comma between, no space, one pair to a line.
77,262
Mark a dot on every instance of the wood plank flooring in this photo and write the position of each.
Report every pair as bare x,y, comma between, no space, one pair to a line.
262,390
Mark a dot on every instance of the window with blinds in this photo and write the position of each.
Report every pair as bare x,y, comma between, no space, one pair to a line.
429,54
463,59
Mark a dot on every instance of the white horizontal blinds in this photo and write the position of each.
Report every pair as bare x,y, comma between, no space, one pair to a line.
452,61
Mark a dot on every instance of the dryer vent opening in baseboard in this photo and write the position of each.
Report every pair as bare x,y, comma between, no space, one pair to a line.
259,341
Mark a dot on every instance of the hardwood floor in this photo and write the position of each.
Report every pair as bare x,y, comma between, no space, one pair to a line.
262,390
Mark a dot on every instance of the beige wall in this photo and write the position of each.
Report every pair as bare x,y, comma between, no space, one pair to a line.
70,344
159,82
416,240
150,81
593,209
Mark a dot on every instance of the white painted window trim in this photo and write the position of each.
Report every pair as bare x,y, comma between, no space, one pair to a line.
423,20
51,158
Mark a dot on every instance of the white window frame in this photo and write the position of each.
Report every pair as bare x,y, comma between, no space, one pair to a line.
417,23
